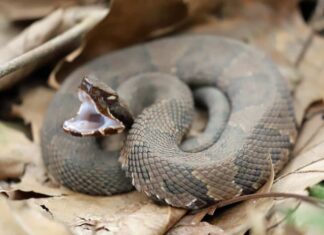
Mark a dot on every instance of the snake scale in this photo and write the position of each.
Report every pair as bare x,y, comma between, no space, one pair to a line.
235,158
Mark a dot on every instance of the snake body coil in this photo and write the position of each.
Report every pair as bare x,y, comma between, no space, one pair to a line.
260,129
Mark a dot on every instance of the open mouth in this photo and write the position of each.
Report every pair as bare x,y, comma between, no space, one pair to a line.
89,121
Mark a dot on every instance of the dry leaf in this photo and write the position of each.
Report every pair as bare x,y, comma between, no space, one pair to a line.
18,218
119,214
307,167
310,135
203,228
32,37
312,69
35,102
15,152
38,45
125,25
34,9
7,30
35,181
130,213
257,222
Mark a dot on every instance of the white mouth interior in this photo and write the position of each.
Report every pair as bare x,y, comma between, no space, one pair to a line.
88,119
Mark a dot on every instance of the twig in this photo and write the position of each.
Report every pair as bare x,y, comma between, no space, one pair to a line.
66,40
313,201
304,49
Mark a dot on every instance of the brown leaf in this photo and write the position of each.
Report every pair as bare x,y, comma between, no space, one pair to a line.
32,37
35,181
42,42
35,102
308,167
7,30
312,69
203,228
121,214
130,213
310,135
34,9
20,219
126,25
15,152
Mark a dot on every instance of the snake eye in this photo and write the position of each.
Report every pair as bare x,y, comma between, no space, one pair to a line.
111,97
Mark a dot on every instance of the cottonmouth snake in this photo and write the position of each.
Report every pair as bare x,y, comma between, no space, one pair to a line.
235,158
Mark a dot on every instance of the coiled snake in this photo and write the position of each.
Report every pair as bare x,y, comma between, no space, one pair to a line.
232,157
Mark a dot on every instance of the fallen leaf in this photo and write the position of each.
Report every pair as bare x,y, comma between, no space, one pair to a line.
308,167
124,26
35,102
311,67
257,221
34,9
35,181
310,135
203,228
7,30
16,151
19,218
32,37
42,42
130,213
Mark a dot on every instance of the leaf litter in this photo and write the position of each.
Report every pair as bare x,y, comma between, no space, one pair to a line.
31,200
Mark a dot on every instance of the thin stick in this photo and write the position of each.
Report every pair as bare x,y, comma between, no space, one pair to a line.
42,52
313,201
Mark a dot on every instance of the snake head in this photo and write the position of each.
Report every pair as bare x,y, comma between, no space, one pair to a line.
94,117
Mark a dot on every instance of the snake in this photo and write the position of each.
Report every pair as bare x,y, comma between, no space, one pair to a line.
149,91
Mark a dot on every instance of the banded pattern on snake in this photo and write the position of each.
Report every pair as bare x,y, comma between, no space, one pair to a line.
233,156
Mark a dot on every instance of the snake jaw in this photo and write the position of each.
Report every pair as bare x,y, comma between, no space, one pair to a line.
92,120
